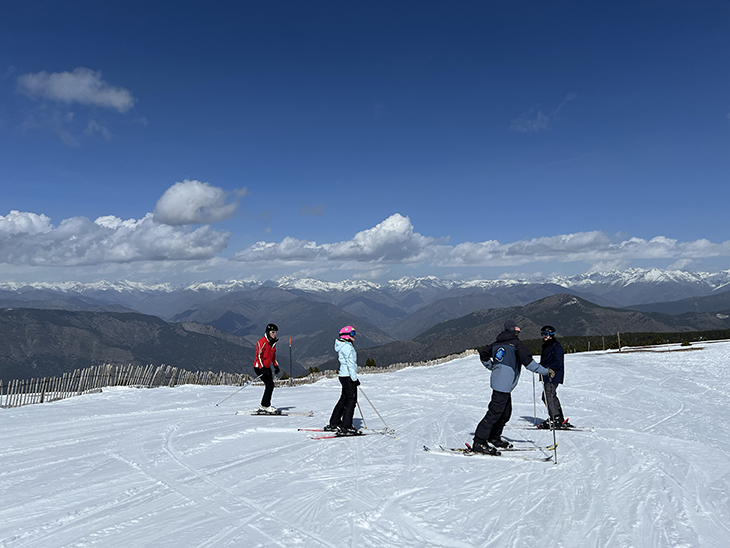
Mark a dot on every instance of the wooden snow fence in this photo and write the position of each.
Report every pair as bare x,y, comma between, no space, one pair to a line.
92,379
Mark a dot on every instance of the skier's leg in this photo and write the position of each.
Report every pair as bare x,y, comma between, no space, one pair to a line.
496,433
553,403
336,418
268,378
494,412
351,399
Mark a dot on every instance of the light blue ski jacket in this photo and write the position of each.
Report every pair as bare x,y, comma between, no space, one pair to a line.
348,359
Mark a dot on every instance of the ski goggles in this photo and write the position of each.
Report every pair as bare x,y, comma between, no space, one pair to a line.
547,333
350,333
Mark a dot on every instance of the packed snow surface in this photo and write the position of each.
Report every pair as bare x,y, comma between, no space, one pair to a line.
167,467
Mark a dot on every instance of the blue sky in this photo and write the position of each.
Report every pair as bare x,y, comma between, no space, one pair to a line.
180,141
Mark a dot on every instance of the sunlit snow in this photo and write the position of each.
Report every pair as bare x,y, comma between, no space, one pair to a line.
167,468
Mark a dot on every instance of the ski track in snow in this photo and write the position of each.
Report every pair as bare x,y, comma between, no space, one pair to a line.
166,467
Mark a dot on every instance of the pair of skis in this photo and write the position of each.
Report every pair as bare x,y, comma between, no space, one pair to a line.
278,413
468,452
326,434
563,429
322,434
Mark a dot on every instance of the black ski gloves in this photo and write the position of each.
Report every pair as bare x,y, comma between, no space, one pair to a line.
276,370
357,382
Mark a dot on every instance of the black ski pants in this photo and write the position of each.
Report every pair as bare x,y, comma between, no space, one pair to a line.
345,408
550,399
498,414
267,376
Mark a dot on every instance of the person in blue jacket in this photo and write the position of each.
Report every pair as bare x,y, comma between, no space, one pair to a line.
504,358
341,419
552,357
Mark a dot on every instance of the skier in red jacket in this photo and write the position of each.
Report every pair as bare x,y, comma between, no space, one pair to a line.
262,365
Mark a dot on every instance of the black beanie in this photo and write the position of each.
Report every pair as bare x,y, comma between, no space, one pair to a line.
510,325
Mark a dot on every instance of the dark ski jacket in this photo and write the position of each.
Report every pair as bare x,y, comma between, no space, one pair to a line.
552,357
505,358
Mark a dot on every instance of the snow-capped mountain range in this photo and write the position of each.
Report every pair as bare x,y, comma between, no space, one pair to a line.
598,283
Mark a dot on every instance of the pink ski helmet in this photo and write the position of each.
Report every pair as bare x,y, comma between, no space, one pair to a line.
347,333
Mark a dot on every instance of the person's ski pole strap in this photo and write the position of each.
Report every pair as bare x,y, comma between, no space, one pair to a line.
237,391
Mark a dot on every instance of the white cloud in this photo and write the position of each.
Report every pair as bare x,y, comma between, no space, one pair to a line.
95,127
31,239
395,242
193,202
681,264
51,119
19,222
392,241
531,122
608,266
83,85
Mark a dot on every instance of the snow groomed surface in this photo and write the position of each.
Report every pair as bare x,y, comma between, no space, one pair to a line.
165,467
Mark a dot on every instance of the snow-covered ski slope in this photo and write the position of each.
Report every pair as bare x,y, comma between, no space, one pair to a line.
167,468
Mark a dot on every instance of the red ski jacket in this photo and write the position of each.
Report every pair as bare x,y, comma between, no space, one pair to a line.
265,353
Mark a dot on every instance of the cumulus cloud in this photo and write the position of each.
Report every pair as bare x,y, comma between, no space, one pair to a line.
30,239
193,202
534,122
394,241
83,85
17,222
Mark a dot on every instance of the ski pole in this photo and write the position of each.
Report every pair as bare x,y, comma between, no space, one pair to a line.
361,415
552,423
237,391
291,375
388,429
534,402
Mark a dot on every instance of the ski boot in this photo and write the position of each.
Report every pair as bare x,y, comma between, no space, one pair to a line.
351,431
484,449
499,443
270,410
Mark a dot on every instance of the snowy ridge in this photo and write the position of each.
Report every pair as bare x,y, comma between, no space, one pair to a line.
166,467
312,285
613,279
655,276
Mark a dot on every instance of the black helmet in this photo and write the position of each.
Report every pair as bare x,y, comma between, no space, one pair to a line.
547,331
271,327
